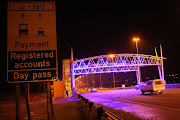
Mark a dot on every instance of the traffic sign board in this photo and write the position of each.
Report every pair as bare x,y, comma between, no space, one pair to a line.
31,41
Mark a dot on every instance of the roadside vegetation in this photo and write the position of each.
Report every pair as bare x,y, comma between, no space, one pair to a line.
124,115
74,110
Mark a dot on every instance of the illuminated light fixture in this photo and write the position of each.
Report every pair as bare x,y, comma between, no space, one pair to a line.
111,55
136,39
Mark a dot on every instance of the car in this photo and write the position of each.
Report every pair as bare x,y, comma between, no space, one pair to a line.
139,86
156,85
93,89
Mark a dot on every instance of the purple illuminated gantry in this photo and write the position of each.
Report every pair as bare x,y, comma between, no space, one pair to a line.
114,63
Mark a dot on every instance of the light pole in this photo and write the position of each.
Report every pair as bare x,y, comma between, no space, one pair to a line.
114,80
138,72
111,56
87,82
136,39
92,79
100,81
92,82
83,82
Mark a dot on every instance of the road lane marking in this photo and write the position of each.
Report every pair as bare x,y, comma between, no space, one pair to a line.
129,101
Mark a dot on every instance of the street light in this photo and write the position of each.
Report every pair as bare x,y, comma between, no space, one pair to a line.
111,56
92,77
100,81
136,39
138,73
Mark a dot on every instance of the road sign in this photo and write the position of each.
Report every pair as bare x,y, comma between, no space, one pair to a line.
31,41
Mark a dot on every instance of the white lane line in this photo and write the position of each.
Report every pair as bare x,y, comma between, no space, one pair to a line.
134,102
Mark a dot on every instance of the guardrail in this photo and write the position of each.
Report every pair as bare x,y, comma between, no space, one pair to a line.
172,85
100,111
166,85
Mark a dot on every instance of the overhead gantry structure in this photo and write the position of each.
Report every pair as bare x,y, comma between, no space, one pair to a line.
116,63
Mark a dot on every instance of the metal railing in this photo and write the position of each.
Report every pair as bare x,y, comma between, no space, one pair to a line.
100,110
172,85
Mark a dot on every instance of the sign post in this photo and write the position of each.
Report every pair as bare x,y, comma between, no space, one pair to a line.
27,102
31,42
49,101
17,102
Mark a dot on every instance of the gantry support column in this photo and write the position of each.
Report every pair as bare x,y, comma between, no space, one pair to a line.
72,73
161,67
138,75
160,72
73,80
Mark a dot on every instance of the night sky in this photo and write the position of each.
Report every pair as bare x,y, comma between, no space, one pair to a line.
95,28
98,28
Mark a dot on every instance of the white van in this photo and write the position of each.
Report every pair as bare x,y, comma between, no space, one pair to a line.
151,86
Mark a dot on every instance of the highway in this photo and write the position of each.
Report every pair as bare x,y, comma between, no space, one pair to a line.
164,106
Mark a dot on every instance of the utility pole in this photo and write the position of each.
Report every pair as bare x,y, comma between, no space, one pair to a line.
83,82
100,81
87,81
138,72
92,81
114,80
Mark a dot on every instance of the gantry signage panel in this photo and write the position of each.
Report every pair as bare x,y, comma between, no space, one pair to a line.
31,41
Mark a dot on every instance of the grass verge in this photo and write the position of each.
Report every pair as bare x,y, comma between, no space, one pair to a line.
74,110
124,115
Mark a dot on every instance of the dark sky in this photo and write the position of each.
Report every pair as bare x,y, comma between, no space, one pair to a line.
97,28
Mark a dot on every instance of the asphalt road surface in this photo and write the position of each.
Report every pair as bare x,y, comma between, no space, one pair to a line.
164,106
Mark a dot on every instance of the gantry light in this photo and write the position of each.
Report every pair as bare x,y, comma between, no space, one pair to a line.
136,39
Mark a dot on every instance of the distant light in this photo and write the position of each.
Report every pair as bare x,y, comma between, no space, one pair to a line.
136,39
111,55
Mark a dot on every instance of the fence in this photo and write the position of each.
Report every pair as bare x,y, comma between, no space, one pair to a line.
100,111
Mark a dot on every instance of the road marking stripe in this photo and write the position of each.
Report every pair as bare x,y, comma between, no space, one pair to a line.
148,104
